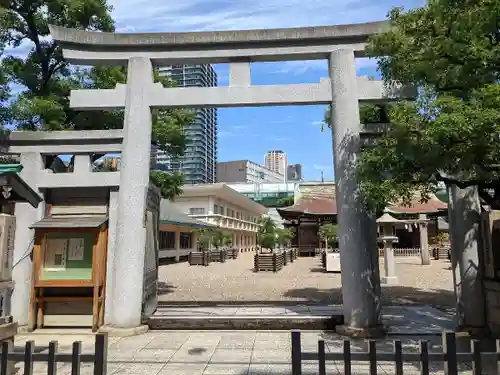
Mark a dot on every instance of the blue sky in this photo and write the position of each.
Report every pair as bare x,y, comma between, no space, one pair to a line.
247,133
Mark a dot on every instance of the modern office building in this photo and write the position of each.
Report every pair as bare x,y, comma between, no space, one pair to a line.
246,171
199,161
294,172
276,160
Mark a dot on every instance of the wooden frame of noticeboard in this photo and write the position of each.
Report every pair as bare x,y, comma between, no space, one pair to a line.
67,258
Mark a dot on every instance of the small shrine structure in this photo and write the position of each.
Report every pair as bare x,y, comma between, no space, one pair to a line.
314,205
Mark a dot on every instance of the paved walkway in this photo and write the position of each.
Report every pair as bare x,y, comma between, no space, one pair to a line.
242,352
300,282
223,352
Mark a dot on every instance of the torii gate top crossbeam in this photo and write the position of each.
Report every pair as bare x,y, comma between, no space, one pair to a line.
304,43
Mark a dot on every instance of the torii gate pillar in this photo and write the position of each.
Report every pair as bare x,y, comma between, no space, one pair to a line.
357,229
134,181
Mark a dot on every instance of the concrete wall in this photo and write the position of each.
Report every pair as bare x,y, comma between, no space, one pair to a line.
232,171
185,204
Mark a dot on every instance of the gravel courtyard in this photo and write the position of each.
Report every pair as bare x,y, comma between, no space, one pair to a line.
301,281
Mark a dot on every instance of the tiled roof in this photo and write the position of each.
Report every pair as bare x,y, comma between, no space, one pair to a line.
318,206
324,206
431,206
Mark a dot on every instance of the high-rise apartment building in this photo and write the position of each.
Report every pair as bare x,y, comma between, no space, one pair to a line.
276,161
199,161
246,171
294,172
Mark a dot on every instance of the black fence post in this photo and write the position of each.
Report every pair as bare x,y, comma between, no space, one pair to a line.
296,353
321,357
450,353
100,354
76,359
4,362
52,363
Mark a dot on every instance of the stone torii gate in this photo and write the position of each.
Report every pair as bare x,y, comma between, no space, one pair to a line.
343,90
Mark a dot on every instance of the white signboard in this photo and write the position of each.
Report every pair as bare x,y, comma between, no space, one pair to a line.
55,254
76,249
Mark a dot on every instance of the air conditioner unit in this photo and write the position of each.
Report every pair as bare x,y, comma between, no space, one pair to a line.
7,233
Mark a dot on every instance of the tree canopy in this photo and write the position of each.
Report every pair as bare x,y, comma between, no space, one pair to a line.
213,237
284,236
266,236
328,233
450,50
35,81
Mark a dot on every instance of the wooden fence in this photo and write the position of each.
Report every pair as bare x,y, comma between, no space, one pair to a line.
232,253
218,255
199,258
437,253
31,354
449,357
269,262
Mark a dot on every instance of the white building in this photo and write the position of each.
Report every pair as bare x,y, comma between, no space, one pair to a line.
277,161
219,205
246,171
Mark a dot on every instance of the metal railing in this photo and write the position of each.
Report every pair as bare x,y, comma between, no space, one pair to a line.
31,354
449,357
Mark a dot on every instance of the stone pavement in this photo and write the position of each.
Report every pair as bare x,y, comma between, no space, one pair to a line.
243,352
403,320
221,352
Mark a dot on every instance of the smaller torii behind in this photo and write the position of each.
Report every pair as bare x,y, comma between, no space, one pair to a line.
342,90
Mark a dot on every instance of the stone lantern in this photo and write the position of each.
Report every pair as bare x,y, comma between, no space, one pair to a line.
387,236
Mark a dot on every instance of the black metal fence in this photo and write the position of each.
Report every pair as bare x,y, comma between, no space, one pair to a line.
449,357
52,357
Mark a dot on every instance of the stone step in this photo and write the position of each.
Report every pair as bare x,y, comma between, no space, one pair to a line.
244,322
246,317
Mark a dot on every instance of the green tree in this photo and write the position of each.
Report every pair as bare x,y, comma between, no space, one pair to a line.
221,239
284,236
285,201
204,238
34,64
170,184
328,233
450,50
266,236
213,237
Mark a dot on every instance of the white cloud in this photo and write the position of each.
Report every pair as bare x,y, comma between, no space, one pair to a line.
203,15
325,167
225,134
280,139
301,67
317,123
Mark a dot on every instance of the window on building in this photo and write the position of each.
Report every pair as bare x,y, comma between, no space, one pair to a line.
167,240
218,210
237,215
186,240
197,211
